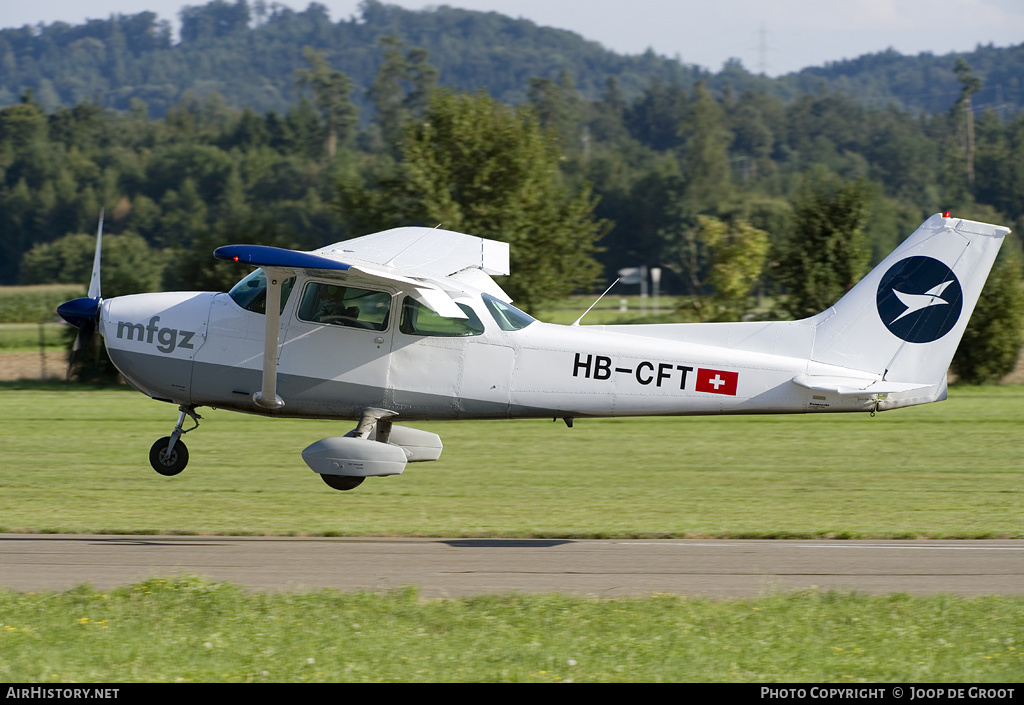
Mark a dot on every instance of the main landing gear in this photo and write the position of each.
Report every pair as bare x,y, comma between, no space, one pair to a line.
169,456
342,482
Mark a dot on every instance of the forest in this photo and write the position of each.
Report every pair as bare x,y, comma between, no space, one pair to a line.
247,50
721,180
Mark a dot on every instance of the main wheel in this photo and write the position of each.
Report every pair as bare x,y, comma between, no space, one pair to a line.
165,464
342,482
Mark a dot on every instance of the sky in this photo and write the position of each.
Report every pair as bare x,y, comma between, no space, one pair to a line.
774,36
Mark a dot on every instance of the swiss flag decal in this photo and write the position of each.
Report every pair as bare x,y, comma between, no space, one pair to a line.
717,381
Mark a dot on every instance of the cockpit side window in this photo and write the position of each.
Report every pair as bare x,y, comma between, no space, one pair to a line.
345,306
417,319
507,317
251,292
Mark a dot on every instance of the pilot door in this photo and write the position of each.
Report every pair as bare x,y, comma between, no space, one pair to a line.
334,356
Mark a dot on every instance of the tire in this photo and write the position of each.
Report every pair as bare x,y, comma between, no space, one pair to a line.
342,482
168,466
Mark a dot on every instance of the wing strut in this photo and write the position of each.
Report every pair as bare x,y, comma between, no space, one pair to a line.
267,397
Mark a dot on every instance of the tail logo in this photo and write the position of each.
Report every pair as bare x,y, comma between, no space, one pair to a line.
919,299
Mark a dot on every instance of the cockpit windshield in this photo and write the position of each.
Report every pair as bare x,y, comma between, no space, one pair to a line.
507,317
251,292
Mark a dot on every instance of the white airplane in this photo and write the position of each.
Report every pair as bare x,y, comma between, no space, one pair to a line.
409,323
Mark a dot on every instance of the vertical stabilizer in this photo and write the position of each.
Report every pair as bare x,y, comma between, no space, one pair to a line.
905,319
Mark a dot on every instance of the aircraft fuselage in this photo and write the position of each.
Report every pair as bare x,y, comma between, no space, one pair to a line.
203,349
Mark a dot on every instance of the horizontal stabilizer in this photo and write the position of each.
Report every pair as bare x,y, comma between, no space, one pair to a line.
853,385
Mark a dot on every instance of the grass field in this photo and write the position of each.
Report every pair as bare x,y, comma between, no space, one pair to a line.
191,630
77,461
30,337
32,304
618,309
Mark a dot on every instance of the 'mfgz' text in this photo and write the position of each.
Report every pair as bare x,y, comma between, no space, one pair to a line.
166,339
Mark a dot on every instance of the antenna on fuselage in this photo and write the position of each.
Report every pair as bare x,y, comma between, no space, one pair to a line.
577,321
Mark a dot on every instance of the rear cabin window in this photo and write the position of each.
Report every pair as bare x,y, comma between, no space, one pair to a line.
251,292
345,306
417,319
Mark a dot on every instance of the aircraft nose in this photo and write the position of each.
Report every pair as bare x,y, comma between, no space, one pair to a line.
79,312
152,339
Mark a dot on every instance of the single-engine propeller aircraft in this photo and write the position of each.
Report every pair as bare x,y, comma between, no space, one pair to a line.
409,324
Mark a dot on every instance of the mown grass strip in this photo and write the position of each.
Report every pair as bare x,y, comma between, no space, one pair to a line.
187,629
77,462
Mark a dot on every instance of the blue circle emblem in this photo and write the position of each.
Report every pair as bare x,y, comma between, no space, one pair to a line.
919,299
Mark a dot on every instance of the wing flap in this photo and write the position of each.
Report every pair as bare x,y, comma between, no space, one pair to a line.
424,252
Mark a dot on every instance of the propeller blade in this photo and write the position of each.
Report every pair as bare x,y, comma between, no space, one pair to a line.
94,281
84,313
83,340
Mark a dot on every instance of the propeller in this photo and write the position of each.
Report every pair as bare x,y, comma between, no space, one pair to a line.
84,313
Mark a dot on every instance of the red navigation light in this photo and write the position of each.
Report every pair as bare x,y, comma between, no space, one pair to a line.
945,214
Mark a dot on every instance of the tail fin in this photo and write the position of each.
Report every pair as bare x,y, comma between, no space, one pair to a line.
904,320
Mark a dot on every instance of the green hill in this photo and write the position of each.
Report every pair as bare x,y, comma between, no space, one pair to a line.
251,59
924,82
248,55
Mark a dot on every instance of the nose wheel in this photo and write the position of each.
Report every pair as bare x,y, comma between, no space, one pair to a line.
169,456
168,462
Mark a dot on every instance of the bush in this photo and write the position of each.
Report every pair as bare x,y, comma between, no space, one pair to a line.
993,339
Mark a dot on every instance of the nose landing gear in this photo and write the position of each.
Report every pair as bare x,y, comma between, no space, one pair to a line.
169,456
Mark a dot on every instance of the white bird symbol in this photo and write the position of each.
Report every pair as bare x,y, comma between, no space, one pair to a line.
917,302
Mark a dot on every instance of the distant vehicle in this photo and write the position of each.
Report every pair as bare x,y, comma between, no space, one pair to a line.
409,324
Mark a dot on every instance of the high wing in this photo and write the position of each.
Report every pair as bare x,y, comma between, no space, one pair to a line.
423,252
415,260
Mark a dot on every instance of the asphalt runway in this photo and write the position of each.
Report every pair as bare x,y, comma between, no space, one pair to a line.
455,567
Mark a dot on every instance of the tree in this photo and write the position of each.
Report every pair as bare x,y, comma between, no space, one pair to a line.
331,94
557,105
129,266
739,252
216,19
827,252
705,151
479,167
992,342
654,119
22,124
395,105
963,113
